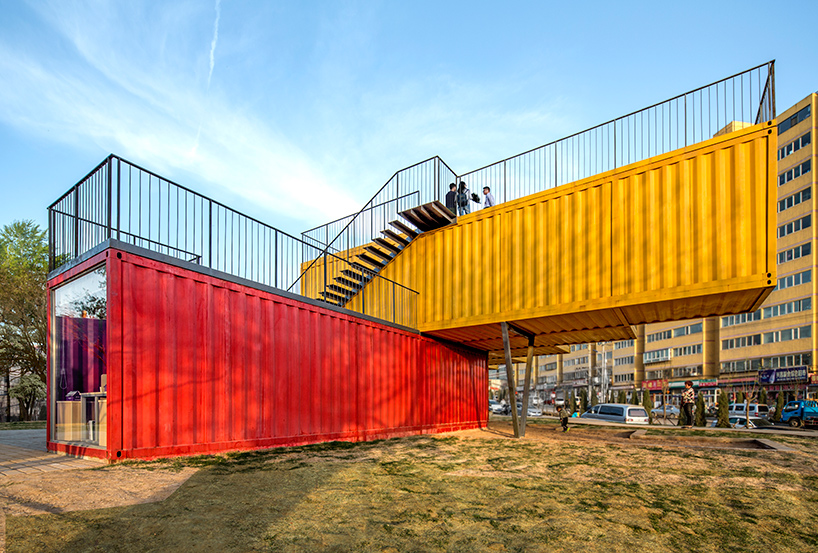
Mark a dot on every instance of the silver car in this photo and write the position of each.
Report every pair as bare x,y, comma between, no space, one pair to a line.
618,412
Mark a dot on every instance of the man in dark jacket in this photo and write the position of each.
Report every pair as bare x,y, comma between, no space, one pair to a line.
451,198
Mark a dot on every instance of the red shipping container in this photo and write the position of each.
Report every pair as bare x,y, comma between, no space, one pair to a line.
197,363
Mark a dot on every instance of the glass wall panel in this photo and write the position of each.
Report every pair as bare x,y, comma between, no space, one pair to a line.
79,368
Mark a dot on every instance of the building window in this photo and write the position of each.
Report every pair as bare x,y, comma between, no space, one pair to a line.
625,377
687,350
550,366
794,280
623,344
577,361
577,347
741,342
656,336
686,330
794,146
656,356
627,360
741,319
790,122
795,172
786,308
795,226
608,355
794,253
741,365
687,371
787,334
576,375
795,199
784,361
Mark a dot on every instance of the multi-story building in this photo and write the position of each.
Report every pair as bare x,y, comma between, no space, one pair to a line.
775,346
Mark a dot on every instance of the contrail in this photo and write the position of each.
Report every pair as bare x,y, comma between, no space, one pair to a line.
215,40
212,64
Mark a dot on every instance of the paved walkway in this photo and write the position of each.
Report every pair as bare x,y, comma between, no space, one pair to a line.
24,452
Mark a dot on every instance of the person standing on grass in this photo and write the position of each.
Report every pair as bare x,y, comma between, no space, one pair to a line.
688,400
565,414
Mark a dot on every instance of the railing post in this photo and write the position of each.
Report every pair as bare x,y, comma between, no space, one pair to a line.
51,255
210,234
275,260
109,206
394,304
119,197
325,275
77,220
614,165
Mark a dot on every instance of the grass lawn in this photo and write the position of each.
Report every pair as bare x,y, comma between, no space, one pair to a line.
587,490
22,425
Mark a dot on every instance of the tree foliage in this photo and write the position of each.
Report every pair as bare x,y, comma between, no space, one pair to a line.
583,400
779,406
647,402
700,415
621,397
723,411
762,396
23,270
27,391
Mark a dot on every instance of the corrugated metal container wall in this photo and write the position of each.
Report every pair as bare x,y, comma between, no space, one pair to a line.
197,364
209,365
683,235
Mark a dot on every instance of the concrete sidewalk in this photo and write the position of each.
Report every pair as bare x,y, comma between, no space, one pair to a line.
24,452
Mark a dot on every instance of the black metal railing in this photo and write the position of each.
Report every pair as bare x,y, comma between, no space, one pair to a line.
739,100
415,185
729,104
120,200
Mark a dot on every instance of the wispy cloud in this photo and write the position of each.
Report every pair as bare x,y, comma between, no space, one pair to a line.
155,97
214,41
149,113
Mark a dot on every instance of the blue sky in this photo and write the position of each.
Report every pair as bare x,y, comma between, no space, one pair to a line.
297,112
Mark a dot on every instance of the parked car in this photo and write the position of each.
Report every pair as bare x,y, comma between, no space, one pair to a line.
755,410
672,411
617,412
498,408
755,422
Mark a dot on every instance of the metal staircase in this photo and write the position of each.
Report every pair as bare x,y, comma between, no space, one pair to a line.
382,250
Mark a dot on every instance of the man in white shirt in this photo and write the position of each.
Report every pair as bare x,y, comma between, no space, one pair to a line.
488,201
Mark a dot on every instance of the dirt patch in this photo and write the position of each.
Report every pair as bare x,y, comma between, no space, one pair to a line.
74,490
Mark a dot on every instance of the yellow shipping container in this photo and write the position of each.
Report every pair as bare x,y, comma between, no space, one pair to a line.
678,236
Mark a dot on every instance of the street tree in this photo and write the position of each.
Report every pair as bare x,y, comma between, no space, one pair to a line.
621,397
723,420
647,403
23,269
583,400
779,406
700,417
27,391
762,396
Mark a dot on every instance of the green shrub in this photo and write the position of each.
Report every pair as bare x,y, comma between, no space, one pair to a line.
723,416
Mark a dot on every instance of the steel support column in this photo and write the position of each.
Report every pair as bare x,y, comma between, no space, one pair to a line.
512,386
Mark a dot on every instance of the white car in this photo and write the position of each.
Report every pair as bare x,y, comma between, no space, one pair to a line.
755,422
